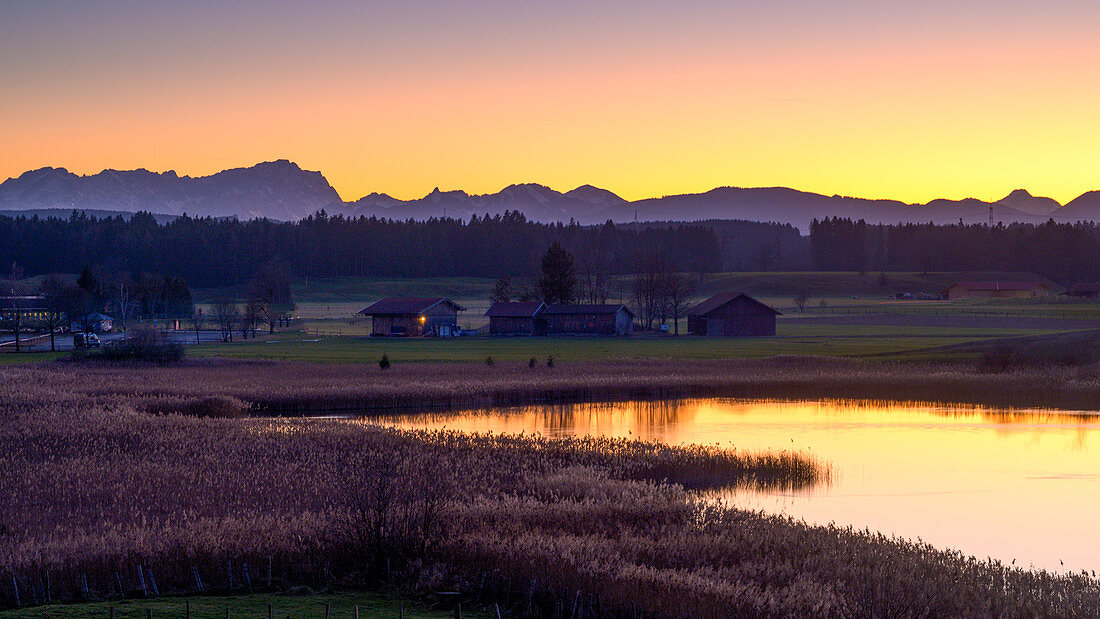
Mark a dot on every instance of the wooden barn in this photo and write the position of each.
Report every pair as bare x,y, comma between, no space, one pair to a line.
414,316
522,318
731,314
588,320
997,290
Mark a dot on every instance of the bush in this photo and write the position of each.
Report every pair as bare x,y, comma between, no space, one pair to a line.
489,361
384,362
145,345
532,363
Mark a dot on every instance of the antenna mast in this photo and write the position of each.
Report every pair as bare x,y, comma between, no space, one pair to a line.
990,215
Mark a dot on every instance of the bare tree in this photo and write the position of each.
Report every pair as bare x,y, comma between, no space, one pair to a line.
595,272
648,280
225,314
270,292
54,293
197,321
800,299
124,294
678,289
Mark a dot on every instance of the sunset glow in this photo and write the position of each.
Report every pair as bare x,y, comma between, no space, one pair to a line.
877,99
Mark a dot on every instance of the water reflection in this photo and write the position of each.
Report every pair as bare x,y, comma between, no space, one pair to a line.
1009,484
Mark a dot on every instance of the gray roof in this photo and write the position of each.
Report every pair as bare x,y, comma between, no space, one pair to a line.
406,305
505,309
564,308
721,299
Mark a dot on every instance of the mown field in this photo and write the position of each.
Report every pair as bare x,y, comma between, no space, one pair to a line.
793,338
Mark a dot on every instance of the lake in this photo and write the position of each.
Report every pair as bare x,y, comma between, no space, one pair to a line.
1017,484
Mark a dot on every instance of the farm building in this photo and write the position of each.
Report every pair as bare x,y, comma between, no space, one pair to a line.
516,318
1086,291
997,290
27,308
587,319
731,314
414,316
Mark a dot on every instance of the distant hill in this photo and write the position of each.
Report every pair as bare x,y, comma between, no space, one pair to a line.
1084,207
281,190
275,189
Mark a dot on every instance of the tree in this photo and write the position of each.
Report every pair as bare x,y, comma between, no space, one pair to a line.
123,294
678,289
502,289
225,314
54,293
648,285
269,291
800,299
558,283
88,281
197,321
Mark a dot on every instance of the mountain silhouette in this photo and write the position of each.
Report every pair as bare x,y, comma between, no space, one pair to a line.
282,190
275,189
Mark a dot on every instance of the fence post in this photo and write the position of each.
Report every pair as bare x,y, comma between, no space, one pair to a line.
187,609
141,579
153,582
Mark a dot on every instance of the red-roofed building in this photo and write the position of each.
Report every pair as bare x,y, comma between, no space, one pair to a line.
998,290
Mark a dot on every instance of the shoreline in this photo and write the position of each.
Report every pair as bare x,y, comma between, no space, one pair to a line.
301,388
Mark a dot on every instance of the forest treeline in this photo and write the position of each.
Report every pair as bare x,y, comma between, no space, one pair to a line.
1064,253
209,252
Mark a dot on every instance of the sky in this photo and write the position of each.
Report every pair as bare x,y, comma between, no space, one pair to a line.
871,98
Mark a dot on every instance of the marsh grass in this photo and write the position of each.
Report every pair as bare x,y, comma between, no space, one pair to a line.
95,487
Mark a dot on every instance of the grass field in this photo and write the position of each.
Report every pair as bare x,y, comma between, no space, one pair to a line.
340,606
791,339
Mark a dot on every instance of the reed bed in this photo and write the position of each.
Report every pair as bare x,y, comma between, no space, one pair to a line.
111,483
284,388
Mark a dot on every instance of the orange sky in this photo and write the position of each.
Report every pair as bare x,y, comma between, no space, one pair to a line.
876,99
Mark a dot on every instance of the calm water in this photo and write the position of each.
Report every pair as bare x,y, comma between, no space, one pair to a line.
1008,484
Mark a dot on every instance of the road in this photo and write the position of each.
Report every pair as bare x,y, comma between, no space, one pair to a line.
64,342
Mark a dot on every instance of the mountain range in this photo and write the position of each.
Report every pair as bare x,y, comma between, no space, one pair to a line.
283,191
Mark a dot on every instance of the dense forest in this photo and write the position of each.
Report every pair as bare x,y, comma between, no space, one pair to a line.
1064,253
216,252
209,252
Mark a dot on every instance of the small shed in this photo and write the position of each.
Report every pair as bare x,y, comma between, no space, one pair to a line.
568,319
732,314
414,316
520,318
998,290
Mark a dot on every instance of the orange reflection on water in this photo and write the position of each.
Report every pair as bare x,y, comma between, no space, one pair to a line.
1019,485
